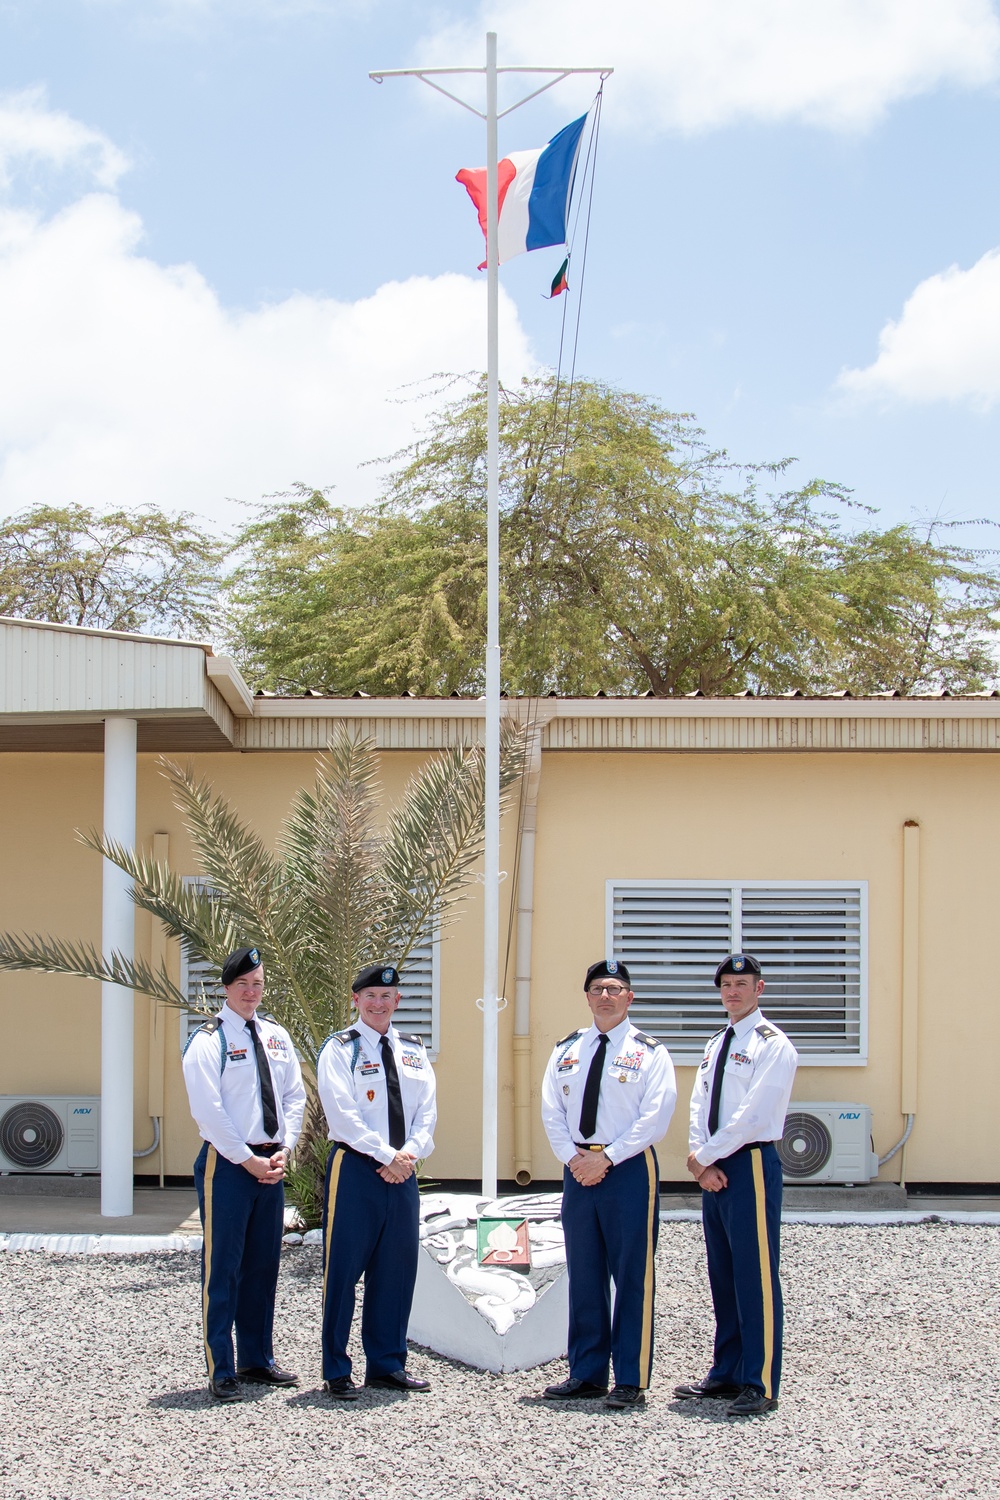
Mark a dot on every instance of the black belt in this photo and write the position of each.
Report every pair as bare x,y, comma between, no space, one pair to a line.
588,1146
750,1146
264,1148
343,1146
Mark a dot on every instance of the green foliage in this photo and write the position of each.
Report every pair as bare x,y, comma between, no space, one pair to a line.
633,559
139,570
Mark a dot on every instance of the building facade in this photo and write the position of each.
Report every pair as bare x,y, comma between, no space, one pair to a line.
847,842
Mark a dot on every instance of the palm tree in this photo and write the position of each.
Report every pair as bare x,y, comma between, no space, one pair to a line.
338,893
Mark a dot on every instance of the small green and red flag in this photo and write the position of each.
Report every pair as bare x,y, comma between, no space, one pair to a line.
559,282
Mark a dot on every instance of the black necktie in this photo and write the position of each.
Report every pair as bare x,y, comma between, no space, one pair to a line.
592,1089
721,1058
397,1125
266,1086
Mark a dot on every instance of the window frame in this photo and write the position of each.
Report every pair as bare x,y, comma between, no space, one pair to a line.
687,1057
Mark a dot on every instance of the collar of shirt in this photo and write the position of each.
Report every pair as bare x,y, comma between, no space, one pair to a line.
743,1028
615,1036
230,1018
372,1038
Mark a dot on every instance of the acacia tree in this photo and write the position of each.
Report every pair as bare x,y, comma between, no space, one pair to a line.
340,892
634,558
123,570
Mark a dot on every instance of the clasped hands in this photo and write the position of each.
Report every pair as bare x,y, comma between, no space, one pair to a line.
268,1169
590,1167
399,1169
711,1179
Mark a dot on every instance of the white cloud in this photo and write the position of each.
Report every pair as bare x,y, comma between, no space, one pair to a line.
31,134
945,345
692,65
132,383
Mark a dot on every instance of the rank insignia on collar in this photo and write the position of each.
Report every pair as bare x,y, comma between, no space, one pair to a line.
371,1096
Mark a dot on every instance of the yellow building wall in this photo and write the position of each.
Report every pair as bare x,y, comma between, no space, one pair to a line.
808,816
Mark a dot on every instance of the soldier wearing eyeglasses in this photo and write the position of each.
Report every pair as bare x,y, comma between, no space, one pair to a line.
607,1095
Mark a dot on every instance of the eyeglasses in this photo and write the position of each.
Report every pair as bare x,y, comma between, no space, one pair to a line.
607,989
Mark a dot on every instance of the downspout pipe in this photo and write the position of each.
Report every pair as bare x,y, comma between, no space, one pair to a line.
522,970
909,1036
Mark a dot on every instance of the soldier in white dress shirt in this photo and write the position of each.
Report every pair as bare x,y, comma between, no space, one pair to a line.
377,1088
738,1107
247,1097
607,1095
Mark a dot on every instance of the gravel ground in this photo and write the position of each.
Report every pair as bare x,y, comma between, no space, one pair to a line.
890,1390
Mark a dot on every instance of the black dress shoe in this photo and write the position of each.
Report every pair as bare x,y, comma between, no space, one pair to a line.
271,1374
749,1402
573,1390
342,1388
703,1388
397,1380
225,1389
621,1396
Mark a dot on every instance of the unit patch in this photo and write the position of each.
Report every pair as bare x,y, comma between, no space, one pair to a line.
565,1088
371,1095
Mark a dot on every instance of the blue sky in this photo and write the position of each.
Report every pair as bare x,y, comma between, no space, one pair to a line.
228,261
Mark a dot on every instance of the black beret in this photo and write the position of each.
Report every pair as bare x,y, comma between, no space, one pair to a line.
609,968
736,963
376,976
240,962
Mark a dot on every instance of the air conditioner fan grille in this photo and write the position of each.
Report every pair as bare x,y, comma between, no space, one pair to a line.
805,1146
31,1134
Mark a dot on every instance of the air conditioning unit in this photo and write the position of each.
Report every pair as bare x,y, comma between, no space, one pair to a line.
828,1143
59,1133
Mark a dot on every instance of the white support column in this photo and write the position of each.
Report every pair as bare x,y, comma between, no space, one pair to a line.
117,935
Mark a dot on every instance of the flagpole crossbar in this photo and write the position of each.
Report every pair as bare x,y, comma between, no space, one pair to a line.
427,75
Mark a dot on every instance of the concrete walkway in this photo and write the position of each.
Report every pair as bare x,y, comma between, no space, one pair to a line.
174,1211
157,1212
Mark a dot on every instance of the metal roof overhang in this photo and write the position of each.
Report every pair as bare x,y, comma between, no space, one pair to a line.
58,683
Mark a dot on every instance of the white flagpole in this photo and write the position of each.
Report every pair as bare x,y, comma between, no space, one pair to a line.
490,1002
491,851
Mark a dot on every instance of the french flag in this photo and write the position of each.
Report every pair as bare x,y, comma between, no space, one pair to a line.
535,188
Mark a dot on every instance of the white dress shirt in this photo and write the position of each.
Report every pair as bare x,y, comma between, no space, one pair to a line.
352,1088
225,1100
637,1098
756,1088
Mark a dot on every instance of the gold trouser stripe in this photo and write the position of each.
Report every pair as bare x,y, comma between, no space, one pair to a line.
210,1161
331,1206
767,1291
646,1345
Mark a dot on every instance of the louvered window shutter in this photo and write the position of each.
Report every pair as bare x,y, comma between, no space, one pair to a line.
809,937
418,1009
